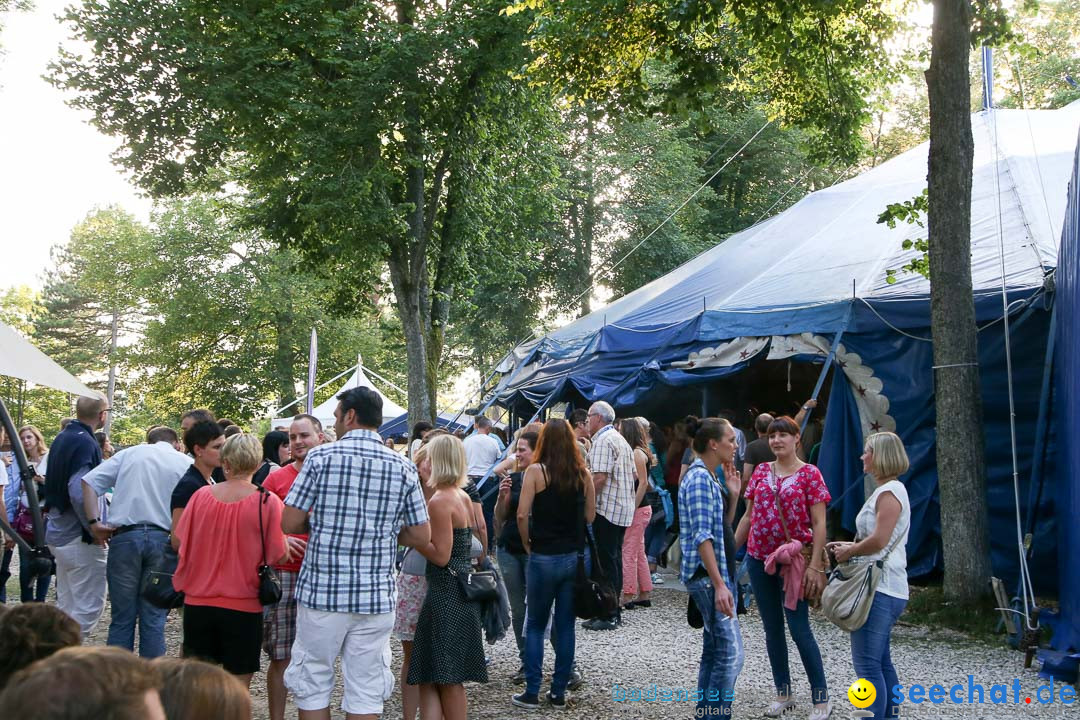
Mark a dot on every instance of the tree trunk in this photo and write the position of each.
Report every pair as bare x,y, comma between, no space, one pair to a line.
407,296
960,458
110,391
284,366
408,257
588,217
22,403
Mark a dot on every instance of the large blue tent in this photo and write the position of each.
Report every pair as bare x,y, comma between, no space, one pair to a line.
1067,403
810,285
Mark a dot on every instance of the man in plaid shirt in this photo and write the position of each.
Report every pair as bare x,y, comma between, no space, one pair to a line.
611,460
357,500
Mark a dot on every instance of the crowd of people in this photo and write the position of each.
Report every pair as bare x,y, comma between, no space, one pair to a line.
362,543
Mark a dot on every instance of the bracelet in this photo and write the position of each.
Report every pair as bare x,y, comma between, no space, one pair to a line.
816,570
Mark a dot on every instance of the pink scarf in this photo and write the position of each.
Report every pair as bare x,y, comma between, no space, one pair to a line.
792,568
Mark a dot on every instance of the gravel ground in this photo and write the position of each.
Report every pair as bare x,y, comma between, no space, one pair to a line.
655,645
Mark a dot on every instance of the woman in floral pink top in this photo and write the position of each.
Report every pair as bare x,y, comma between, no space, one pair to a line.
802,498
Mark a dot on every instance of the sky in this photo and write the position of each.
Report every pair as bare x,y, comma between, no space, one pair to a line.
54,166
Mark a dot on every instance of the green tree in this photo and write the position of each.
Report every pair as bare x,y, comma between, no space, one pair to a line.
89,300
234,335
379,139
643,170
813,64
1041,67
20,307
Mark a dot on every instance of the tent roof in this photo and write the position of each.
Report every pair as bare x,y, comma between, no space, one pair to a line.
450,421
800,270
21,359
325,410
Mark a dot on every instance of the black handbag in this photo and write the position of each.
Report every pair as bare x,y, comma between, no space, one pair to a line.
477,585
158,588
594,595
269,582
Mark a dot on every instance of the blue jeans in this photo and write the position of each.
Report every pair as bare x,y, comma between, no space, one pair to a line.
512,566
489,494
721,652
550,580
870,652
31,589
769,594
655,536
131,557
5,569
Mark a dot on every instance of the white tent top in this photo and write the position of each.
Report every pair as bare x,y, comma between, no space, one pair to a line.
829,245
325,411
20,359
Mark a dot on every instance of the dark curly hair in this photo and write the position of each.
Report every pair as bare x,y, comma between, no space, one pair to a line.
33,631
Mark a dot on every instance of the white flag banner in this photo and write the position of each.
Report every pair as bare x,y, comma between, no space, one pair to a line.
313,358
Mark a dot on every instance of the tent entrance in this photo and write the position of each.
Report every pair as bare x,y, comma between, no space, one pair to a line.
779,387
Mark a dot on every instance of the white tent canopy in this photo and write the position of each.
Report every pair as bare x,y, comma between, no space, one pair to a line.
325,411
20,359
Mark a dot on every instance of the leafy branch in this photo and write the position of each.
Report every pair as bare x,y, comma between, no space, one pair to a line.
911,212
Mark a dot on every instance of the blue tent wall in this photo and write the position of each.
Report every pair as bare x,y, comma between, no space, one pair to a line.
1067,412
904,366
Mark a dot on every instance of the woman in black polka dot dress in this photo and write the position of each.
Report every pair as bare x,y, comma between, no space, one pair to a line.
448,647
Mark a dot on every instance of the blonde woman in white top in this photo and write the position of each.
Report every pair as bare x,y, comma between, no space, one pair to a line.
883,524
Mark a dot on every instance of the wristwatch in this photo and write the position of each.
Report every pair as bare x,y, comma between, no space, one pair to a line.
91,521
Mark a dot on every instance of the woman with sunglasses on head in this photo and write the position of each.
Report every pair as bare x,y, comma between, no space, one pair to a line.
785,503
883,524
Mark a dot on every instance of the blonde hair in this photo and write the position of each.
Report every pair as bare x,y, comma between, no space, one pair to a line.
243,454
41,447
448,466
887,455
419,455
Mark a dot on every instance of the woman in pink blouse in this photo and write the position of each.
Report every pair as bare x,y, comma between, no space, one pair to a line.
221,550
797,490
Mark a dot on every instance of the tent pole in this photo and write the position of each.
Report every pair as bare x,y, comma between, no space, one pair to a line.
377,376
828,364
502,456
336,377
465,405
1038,453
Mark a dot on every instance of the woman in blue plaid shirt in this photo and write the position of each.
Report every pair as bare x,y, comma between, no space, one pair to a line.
701,513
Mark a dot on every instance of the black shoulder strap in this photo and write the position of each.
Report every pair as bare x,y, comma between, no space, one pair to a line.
581,523
265,495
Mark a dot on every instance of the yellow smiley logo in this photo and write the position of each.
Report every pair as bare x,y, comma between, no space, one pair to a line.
862,693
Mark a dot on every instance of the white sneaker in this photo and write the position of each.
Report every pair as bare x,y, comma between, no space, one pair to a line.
821,713
779,707
657,579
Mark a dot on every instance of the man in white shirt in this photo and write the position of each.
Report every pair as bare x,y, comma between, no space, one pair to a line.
142,479
481,453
